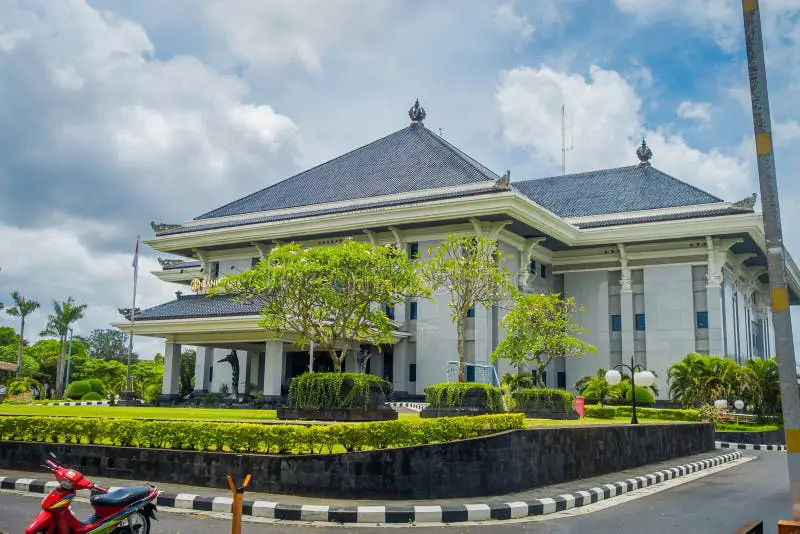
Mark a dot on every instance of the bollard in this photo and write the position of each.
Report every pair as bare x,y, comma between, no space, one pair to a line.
788,527
238,497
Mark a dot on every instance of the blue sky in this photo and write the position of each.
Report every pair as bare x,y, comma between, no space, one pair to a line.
115,113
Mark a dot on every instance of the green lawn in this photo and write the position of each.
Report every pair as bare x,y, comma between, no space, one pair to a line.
143,412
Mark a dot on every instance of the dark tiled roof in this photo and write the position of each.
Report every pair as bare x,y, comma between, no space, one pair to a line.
183,265
658,218
411,159
198,306
612,191
330,211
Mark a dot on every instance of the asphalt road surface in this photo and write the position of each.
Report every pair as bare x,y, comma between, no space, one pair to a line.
717,503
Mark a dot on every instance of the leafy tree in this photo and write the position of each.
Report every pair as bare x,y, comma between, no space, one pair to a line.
146,378
30,367
58,324
327,294
188,358
698,380
8,337
765,374
470,269
45,353
110,372
109,344
540,328
512,382
22,308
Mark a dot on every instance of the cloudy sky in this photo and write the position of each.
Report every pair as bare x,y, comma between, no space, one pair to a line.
115,113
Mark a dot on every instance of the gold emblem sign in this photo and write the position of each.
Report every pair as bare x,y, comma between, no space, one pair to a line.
201,286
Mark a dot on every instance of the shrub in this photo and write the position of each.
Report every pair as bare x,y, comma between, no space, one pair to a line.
452,395
98,386
543,399
92,396
334,390
78,389
643,397
251,437
661,415
598,411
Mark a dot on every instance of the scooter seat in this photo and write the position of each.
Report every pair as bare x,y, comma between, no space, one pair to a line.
120,497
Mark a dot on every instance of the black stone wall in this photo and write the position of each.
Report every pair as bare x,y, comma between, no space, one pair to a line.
768,437
503,463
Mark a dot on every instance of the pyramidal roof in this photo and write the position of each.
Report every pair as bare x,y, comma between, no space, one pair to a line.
624,189
411,159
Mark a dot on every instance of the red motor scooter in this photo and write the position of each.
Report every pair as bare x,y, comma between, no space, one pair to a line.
122,511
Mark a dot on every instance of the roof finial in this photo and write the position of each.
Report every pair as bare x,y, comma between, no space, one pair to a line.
644,154
416,113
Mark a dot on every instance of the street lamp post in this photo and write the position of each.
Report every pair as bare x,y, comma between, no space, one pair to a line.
69,362
640,376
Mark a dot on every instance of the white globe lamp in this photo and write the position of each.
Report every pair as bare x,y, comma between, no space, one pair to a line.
739,404
613,377
721,403
644,379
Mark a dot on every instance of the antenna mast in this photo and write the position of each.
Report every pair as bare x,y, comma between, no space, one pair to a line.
564,148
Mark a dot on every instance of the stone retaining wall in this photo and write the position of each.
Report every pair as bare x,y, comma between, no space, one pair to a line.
507,462
769,437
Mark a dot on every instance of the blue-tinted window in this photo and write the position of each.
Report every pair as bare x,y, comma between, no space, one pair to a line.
412,372
470,374
532,267
639,321
390,311
210,374
543,269
413,251
561,380
702,319
616,323
412,311
471,312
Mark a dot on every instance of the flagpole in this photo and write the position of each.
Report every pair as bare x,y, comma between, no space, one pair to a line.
133,313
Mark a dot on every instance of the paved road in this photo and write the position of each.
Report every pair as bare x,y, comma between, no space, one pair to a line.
717,503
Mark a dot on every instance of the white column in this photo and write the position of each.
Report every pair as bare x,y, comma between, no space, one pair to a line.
252,367
376,364
273,367
350,363
716,333
400,366
483,333
626,306
172,369
202,369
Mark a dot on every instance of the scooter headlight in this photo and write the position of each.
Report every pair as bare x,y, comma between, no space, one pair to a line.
65,483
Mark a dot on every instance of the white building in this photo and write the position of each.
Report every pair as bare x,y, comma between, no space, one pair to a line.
661,267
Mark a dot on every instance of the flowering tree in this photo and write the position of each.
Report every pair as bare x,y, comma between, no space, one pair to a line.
540,328
469,268
330,295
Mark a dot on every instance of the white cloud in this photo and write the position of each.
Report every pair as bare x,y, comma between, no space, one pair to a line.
607,126
700,111
511,23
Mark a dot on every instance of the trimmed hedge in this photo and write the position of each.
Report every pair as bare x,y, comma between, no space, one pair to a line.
599,411
452,395
609,412
643,397
92,396
330,390
79,388
543,399
253,438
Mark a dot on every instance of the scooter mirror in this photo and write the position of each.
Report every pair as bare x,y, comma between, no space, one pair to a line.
52,456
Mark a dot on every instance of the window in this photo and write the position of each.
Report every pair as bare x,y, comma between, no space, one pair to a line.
390,311
413,251
471,312
470,374
702,319
254,262
532,267
544,378
412,311
543,269
639,321
412,372
215,269
210,374
616,323
561,380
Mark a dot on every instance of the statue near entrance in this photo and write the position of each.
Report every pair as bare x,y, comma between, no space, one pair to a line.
233,359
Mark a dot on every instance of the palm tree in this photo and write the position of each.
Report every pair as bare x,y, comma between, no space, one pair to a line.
595,387
686,379
22,308
522,380
58,325
765,373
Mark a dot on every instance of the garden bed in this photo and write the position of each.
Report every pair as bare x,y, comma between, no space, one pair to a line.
358,414
454,399
338,397
544,403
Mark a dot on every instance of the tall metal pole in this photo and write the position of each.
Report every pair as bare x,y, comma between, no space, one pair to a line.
133,315
781,318
69,362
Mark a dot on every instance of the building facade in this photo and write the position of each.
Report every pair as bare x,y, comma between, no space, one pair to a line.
660,267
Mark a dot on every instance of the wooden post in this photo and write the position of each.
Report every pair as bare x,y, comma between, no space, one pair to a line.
238,497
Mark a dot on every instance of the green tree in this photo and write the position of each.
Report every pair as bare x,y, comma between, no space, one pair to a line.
765,373
110,372
470,269
58,324
540,328
8,337
146,378
22,308
30,367
109,344
188,358
45,353
699,379
328,294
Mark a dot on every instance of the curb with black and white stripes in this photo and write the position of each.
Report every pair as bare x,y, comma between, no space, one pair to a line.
749,446
432,513
80,403
416,406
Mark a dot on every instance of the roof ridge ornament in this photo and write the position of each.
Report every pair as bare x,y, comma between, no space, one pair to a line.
504,181
416,113
169,262
644,153
159,228
746,204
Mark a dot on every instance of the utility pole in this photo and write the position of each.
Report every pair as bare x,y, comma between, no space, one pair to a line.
781,318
